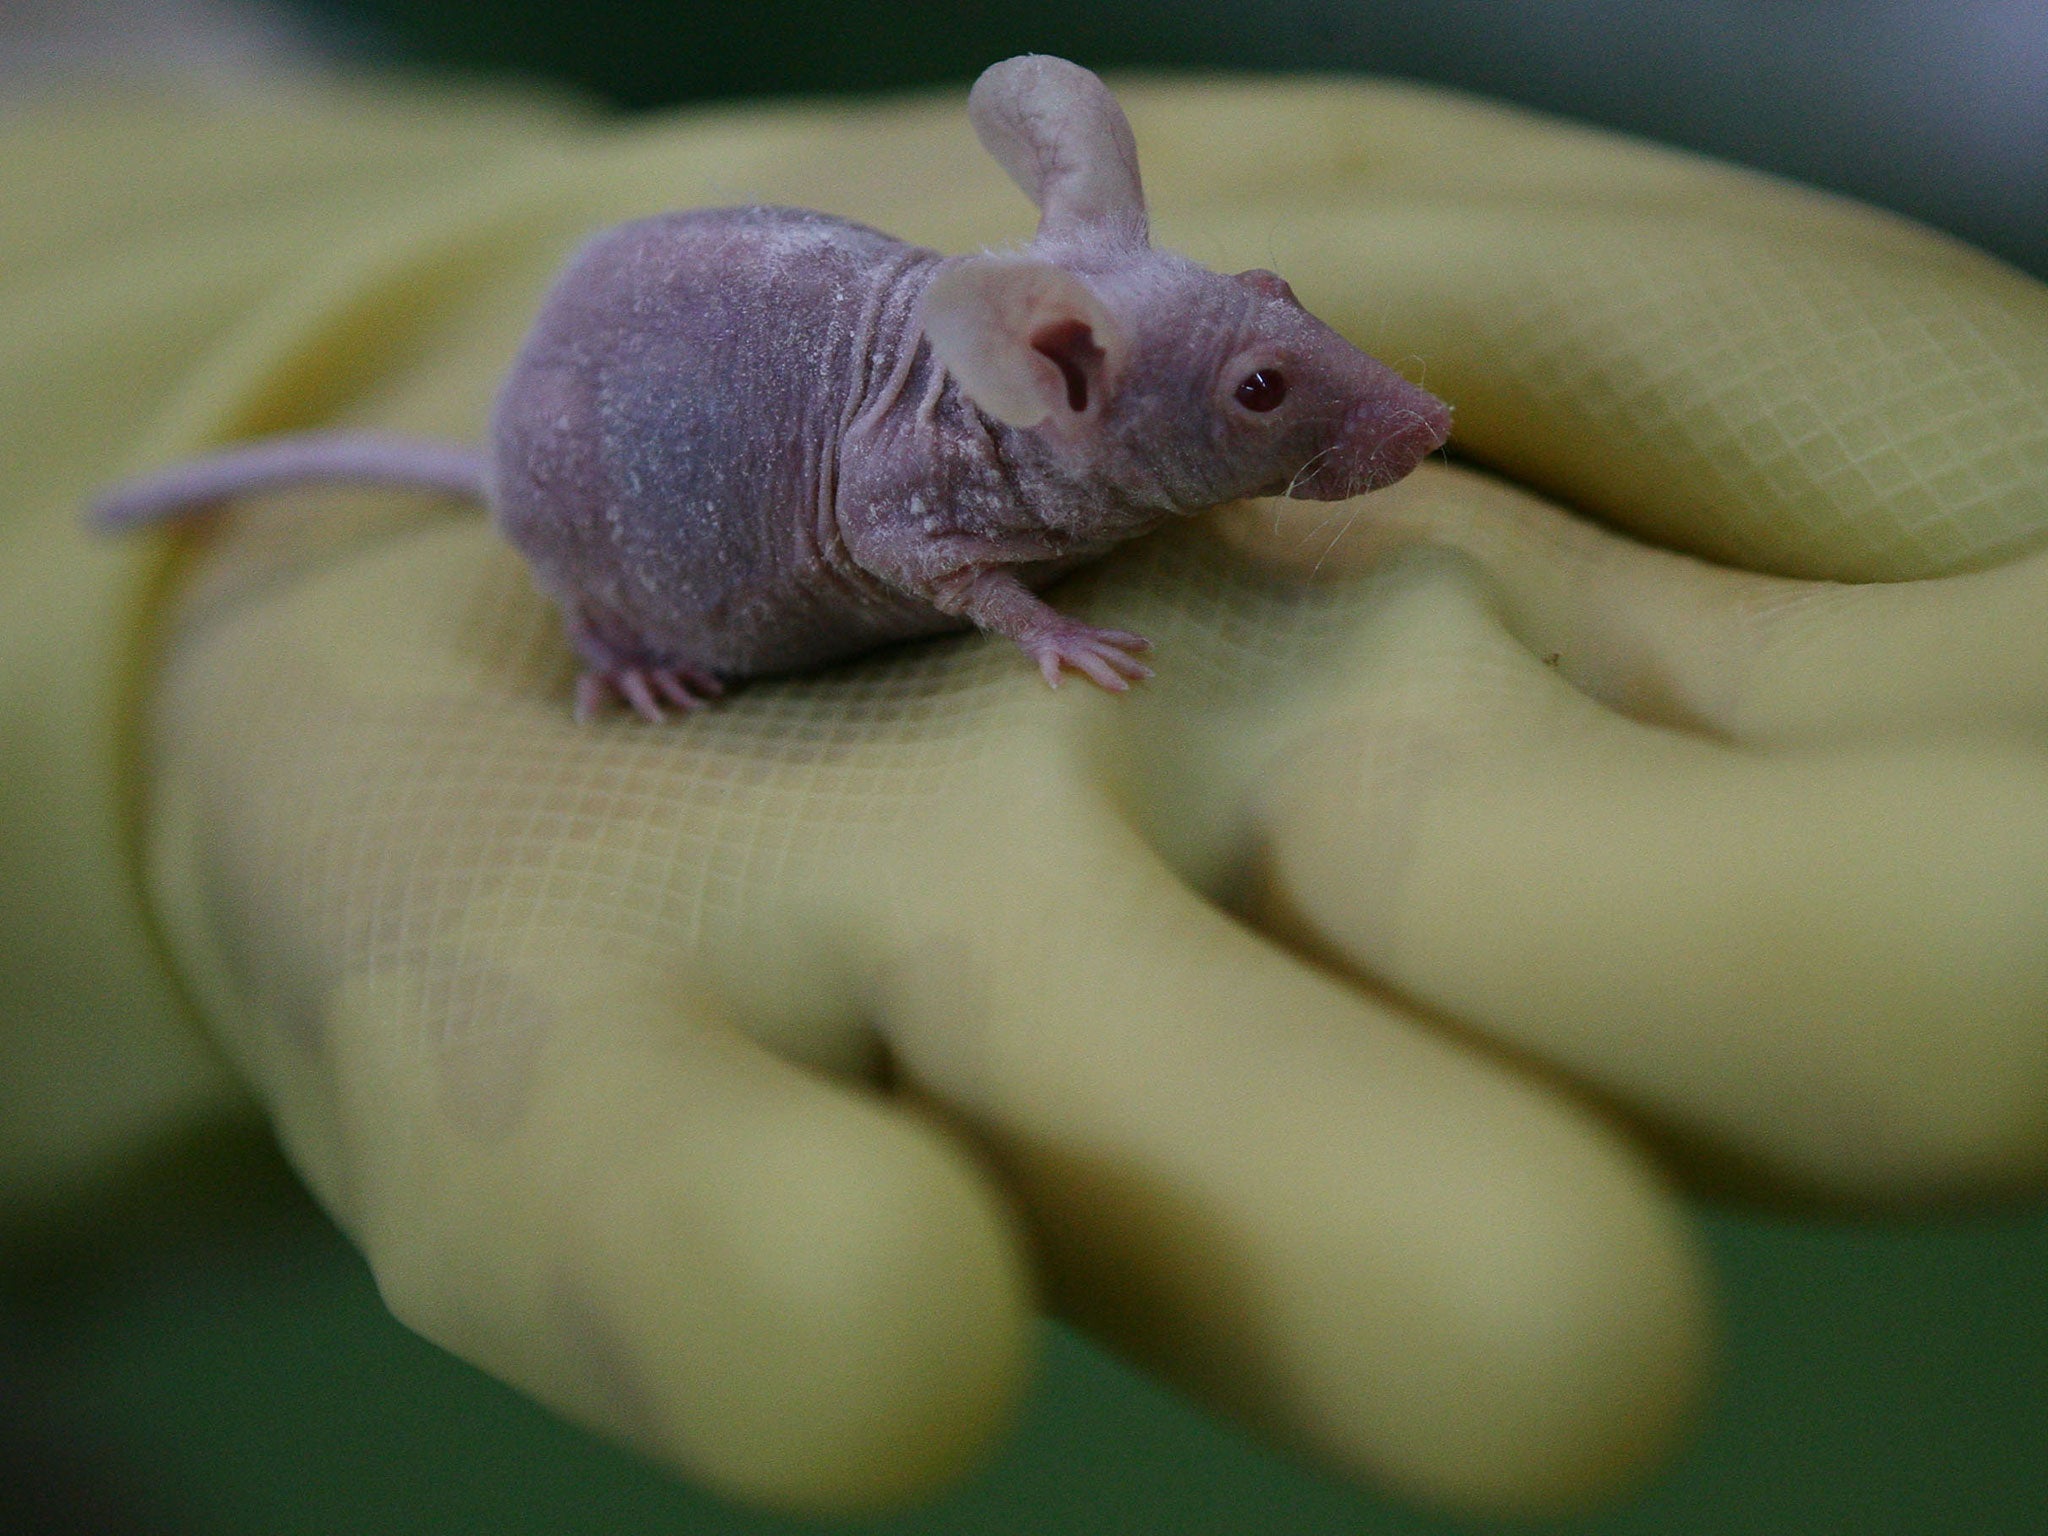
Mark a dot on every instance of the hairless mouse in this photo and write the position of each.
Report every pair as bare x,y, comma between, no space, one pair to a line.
752,440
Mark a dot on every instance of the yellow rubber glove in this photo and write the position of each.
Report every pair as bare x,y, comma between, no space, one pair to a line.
739,1086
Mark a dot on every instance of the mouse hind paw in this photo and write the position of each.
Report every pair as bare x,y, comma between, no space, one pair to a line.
645,690
642,683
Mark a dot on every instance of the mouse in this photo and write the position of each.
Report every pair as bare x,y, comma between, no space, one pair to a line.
748,441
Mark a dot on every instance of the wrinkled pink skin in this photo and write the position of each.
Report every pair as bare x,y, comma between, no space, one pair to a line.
727,449
730,446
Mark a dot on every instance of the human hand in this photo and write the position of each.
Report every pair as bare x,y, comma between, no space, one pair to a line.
736,1087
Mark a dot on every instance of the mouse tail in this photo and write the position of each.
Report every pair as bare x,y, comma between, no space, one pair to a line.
331,458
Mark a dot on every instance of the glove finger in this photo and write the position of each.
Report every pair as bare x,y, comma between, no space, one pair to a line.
578,1179
1375,1243
1820,966
802,1295
1675,641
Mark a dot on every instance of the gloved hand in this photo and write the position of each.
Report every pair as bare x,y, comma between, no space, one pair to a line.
1296,1022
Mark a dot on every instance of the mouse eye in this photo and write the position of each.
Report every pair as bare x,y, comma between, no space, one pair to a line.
1262,389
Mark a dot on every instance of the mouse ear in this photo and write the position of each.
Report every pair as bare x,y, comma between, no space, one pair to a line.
1027,340
1060,134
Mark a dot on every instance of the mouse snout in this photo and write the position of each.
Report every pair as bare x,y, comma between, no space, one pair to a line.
1410,429
1383,438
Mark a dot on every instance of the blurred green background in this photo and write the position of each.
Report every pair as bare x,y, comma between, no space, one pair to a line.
205,1355
1938,108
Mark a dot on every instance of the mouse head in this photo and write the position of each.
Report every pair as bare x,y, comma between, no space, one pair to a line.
1183,386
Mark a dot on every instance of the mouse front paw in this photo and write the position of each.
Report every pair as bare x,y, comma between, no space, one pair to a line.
1107,657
